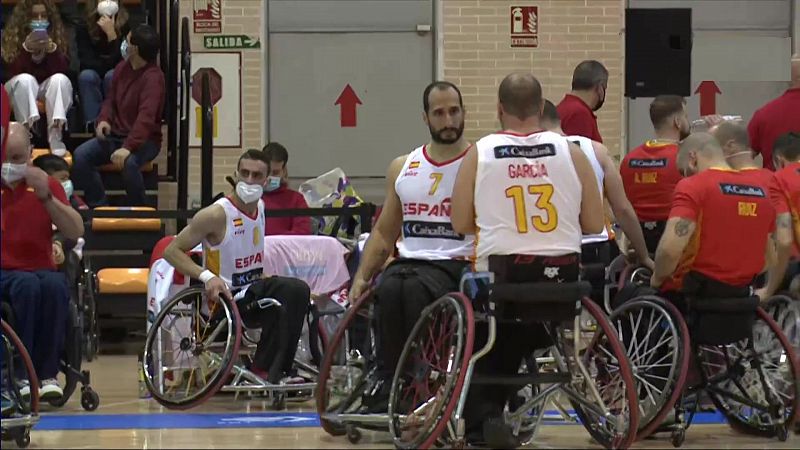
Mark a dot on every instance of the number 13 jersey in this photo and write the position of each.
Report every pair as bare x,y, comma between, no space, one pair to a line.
527,196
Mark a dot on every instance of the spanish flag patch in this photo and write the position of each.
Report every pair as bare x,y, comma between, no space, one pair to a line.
237,222
413,165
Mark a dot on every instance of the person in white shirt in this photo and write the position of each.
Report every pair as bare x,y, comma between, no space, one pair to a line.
528,195
431,256
231,231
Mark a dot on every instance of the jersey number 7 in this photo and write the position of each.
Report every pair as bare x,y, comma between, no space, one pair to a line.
544,223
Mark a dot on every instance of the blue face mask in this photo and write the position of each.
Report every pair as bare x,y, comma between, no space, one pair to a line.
40,25
68,189
273,183
123,49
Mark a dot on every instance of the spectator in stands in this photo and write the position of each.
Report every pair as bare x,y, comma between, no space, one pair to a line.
589,86
35,50
99,42
277,195
32,203
129,126
776,118
57,167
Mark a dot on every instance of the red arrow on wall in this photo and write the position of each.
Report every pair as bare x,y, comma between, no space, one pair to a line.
708,91
348,101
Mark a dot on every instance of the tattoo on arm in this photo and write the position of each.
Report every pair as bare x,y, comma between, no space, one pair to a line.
682,227
784,221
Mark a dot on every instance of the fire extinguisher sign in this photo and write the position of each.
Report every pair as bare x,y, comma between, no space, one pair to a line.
524,26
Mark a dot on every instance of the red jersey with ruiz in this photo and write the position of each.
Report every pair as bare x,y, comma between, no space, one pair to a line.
733,216
784,192
649,174
27,230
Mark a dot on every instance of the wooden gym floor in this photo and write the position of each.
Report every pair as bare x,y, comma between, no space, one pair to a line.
125,421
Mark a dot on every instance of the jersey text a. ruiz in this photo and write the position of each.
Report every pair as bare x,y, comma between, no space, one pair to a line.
427,209
534,170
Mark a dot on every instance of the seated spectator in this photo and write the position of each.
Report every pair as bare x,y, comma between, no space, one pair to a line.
129,126
35,50
39,297
277,195
99,41
57,167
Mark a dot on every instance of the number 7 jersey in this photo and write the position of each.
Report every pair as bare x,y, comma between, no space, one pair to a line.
425,188
527,196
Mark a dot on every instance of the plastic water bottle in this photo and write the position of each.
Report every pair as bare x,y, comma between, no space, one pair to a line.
143,391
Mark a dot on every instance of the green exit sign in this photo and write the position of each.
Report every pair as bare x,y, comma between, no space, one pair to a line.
223,42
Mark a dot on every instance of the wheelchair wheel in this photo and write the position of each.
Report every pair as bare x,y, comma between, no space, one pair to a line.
87,307
16,356
656,340
754,382
342,381
429,379
785,311
190,349
72,358
613,418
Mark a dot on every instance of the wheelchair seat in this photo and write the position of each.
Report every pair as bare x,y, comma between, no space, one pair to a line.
721,321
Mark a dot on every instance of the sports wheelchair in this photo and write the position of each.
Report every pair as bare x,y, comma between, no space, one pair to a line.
17,423
728,348
192,349
430,385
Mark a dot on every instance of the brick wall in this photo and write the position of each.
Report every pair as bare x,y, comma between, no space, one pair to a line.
477,54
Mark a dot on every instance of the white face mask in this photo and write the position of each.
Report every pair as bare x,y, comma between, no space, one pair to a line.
12,173
107,8
249,193
68,189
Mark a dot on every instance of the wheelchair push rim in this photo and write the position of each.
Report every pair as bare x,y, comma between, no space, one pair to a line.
780,378
14,341
449,322
195,351
606,355
359,309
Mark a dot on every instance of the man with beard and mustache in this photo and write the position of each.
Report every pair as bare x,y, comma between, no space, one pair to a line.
431,256
650,171
589,86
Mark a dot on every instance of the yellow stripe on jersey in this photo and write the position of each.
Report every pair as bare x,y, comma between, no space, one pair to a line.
212,261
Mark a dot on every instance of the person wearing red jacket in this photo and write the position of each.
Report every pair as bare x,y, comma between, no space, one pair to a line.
277,195
129,125
34,49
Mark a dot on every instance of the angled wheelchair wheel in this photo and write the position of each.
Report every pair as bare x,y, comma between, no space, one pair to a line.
602,391
754,382
18,367
656,341
430,374
785,311
87,308
190,349
345,367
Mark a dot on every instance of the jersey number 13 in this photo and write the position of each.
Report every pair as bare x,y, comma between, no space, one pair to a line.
547,221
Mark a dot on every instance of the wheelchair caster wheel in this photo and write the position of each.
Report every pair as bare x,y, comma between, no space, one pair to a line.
353,434
89,399
782,432
677,437
279,402
24,440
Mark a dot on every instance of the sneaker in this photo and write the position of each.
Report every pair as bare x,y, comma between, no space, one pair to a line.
50,390
54,138
8,405
292,380
24,389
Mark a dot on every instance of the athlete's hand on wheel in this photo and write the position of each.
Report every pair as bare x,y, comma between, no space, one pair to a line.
216,287
762,294
648,262
357,290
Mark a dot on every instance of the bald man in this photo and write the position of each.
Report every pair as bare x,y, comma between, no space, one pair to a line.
776,118
32,203
702,252
733,138
521,191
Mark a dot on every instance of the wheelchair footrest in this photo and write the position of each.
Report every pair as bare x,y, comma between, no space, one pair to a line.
523,379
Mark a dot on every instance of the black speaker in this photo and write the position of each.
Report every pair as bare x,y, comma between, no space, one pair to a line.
658,52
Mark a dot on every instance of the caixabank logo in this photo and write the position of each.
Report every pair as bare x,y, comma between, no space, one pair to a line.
647,163
742,189
435,230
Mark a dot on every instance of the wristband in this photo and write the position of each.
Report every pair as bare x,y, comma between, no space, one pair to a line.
206,276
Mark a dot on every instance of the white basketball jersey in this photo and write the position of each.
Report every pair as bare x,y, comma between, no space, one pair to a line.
588,149
239,258
527,197
425,188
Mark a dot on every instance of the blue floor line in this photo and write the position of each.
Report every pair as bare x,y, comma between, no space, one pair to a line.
52,422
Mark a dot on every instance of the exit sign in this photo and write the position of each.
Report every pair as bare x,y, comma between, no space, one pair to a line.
225,42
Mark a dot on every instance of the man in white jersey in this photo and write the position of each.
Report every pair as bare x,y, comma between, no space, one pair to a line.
232,233
528,195
595,248
431,256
